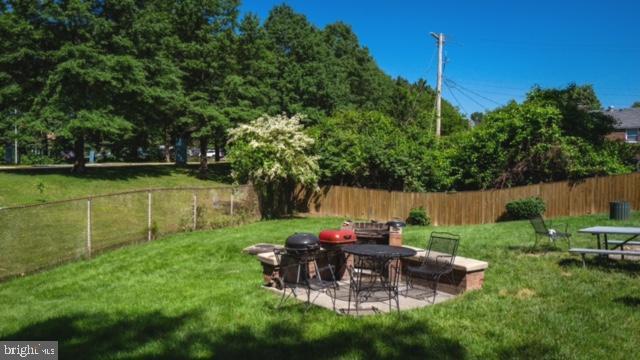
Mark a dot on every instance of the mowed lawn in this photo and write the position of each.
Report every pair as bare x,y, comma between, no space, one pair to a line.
20,187
195,295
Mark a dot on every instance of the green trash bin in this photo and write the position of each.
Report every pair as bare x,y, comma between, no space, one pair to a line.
619,210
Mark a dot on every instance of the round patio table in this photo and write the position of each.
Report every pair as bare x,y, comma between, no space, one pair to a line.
379,251
383,262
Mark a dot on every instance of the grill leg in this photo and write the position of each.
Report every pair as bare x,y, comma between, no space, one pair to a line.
349,302
284,293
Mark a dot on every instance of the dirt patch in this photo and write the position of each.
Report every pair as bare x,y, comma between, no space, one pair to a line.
522,294
525,293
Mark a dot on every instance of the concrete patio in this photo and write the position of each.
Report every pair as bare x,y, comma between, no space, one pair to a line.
378,303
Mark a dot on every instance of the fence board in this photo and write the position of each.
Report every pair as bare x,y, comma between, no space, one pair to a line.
477,207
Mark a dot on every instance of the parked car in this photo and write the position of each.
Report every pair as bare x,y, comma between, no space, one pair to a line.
211,153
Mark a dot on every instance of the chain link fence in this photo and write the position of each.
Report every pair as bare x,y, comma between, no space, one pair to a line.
36,237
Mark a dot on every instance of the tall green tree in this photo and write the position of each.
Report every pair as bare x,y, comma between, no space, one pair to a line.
521,144
303,81
92,91
579,106
368,148
414,103
204,38
163,100
24,64
356,79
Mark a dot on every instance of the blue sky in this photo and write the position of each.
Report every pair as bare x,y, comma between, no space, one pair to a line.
496,50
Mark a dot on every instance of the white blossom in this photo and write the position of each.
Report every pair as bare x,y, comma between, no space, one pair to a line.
276,149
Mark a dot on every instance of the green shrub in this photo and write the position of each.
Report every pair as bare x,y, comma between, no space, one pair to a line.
418,216
525,208
35,159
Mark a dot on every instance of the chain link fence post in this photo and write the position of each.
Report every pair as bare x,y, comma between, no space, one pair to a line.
195,211
88,245
149,234
231,203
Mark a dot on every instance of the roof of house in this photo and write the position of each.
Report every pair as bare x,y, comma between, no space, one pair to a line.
626,118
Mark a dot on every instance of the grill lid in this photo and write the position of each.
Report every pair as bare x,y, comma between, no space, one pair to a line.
337,237
300,241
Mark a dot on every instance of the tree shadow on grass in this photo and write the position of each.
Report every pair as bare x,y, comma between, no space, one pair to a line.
155,335
220,172
630,301
539,249
530,350
102,173
402,337
631,268
94,336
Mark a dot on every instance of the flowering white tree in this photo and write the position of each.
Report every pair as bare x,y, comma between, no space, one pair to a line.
274,154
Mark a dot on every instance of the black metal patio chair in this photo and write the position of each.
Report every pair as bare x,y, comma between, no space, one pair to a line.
541,229
301,272
439,259
378,282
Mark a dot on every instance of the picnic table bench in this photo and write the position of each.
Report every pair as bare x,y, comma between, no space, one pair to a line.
622,242
586,251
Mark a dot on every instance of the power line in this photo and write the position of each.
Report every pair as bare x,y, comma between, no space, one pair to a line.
455,98
433,56
478,85
483,106
473,92
561,44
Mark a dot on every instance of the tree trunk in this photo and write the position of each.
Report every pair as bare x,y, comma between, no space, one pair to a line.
203,170
167,145
78,162
45,145
217,146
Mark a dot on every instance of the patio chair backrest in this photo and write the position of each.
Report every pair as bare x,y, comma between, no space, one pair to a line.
538,225
442,248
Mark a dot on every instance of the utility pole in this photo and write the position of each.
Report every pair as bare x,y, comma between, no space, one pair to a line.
440,38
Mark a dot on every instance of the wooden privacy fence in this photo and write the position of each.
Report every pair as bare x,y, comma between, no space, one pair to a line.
564,198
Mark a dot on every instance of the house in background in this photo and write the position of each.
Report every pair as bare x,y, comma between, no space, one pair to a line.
627,124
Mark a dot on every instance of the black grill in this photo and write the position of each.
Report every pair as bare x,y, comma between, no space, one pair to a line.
302,243
371,232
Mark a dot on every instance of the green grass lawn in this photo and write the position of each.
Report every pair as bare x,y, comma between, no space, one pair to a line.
21,187
195,295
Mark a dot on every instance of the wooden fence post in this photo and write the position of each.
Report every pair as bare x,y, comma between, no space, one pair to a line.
231,203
